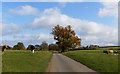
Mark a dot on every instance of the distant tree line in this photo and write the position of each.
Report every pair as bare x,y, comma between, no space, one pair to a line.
44,46
91,47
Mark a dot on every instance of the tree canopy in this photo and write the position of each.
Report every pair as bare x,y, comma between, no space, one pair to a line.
19,46
53,47
44,45
65,37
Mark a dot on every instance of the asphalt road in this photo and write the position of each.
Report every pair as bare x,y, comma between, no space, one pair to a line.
61,63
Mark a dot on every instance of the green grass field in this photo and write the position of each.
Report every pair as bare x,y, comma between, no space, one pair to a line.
25,61
95,60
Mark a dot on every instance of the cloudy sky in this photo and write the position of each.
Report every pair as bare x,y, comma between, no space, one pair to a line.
32,22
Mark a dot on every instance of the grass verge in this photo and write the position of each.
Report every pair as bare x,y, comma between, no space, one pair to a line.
95,60
25,61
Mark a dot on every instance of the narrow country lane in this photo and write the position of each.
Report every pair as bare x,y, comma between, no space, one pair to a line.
61,63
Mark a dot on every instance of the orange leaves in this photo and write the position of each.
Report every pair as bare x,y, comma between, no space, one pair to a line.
66,36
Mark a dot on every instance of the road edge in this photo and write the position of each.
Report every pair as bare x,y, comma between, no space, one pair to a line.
49,65
79,62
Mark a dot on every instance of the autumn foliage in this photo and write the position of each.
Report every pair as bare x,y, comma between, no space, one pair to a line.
65,37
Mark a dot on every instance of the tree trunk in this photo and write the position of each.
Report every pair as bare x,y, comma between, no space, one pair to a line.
64,49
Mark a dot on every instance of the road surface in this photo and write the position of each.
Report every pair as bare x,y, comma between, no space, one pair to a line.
61,63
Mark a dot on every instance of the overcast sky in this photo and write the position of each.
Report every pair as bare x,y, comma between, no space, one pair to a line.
32,23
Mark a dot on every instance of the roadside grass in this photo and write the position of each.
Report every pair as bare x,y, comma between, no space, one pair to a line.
95,60
25,61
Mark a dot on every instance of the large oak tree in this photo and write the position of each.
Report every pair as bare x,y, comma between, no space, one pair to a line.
65,37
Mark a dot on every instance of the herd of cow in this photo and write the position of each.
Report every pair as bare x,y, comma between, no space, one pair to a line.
110,52
4,47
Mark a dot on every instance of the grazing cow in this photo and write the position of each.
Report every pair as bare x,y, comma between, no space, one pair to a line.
111,51
116,52
32,48
105,51
4,47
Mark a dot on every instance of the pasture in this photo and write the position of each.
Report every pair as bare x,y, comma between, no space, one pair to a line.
95,59
25,61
